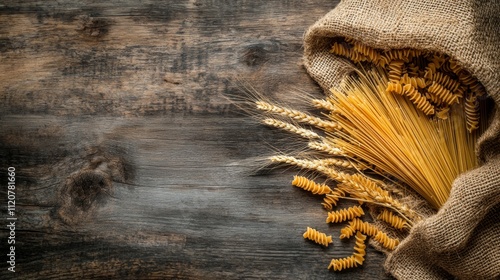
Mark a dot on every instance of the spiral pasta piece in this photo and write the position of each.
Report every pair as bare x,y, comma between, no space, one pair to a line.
413,70
395,70
370,53
356,56
340,49
432,97
393,87
318,237
419,100
446,67
392,219
416,82
444,80
430,69
460,91
311,186
364,227
471,112
386,241
332,198
345,214
438,60
466,78
398,54
357,258
455,67
477,88
441,92
347,232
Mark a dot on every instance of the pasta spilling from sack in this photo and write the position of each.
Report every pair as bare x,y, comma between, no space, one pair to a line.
406,118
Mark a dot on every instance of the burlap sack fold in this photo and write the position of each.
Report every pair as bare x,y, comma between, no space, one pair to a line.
463,239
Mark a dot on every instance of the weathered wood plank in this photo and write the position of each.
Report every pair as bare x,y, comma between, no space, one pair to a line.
131,161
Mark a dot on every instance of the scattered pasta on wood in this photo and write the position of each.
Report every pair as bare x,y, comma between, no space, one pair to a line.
311,186
318,237
406,117
345,214
357,258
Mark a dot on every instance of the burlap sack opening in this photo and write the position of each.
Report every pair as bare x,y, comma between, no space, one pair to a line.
463,238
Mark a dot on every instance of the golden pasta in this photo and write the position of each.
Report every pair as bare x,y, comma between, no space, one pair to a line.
345,214
341,50
364,227
430,69
401,54
394,87
419,100
376,120
395,70
318,237
437,81
415,82
445,80
392,219
311,186
442,93
357,258
455,67
370,53
386,241
347,232
332,198
472,112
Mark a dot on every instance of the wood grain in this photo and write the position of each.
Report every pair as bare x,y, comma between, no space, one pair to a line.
133,162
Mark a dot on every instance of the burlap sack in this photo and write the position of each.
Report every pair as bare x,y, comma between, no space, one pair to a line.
463,239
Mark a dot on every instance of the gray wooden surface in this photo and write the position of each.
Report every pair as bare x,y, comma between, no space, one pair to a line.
131,162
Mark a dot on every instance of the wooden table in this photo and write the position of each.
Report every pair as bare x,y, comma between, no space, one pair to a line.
131,159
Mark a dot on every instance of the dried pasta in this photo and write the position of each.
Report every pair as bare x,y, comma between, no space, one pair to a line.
442,93
437,81
370,53
347,232
345,214
392,219
472,112
394,87
369,121
341,50
455,67
415,82
418,99
386,241
445,80
395,54
364,227
311,186
318,237
395,70
332,198
357,258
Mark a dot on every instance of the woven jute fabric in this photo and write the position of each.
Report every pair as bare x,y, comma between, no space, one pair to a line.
462,240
